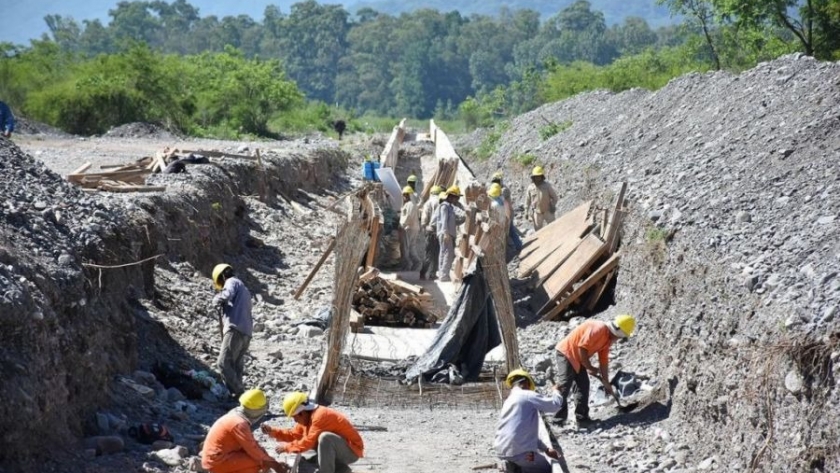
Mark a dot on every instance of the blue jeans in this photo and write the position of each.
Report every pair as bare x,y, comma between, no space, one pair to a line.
514,238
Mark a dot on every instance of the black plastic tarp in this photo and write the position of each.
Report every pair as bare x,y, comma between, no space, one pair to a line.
469,331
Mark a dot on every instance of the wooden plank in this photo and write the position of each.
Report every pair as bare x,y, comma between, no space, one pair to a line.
615,220
589,250
404,287
82,168
368,275
315,269
542,246
560,255
606,269
548,229
374,243
570,226
116,175
598,291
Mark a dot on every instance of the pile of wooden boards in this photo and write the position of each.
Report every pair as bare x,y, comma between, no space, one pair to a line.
573,259
444,176
117,178
392,302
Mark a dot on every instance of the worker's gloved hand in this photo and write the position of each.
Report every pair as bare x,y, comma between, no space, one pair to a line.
265,429
594,372
552,453
280,448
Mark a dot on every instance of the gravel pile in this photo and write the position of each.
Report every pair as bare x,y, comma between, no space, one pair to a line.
140,130
730,256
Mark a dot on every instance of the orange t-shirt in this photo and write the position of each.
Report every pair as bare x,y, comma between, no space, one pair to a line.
231,433
301,438
592,335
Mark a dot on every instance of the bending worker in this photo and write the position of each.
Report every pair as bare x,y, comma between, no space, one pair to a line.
572,363
428,223
230,447
318,428
517,435
237,326
540,199
448,220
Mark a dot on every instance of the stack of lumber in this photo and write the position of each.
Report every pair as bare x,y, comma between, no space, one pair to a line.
444,176
118,178
573,259
392,302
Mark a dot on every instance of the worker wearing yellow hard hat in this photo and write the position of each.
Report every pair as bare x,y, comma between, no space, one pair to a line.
517,433
410,231
412,182
540,199
320,429
498,212
231,447
513,234
428,222
450,215
236,325
572,354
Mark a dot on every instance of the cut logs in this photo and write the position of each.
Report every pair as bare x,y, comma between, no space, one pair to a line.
391,302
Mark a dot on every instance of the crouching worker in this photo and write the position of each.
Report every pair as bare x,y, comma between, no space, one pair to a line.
517,434
318,428
230,447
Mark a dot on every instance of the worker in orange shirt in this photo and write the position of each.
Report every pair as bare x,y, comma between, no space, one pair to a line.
230,447
572,363
327,431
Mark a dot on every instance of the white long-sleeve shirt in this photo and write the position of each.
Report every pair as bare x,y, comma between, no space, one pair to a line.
518,428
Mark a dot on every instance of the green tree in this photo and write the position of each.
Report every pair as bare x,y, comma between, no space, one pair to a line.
702,14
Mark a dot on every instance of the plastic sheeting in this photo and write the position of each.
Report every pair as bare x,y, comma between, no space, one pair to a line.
469,331
392,186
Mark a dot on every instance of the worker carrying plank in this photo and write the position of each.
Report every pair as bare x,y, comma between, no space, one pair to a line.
448,220
7,120
320,433
234,299
231,447
572,365
540,199
513,236
410,225
498,212
428,222
517,434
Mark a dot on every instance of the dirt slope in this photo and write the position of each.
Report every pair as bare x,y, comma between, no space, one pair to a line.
730,255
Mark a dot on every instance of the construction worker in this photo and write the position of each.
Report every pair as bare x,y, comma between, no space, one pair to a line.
571,357
517,434
7,120
412,182
448,220
541,200
513,236
497,205
428,223
230,447
410,225
237,326
326,431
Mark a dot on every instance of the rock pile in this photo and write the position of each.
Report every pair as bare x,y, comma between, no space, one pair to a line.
730,255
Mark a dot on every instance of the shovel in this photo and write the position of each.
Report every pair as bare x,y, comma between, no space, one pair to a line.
624,407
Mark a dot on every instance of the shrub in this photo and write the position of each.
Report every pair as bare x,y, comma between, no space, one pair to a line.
553,128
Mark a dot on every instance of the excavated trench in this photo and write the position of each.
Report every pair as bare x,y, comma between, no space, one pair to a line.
79,280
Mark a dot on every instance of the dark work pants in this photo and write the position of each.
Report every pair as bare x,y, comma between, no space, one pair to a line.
432,253
565,377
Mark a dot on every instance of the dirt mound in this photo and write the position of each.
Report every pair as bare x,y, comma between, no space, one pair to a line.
25,126
729,254
140,130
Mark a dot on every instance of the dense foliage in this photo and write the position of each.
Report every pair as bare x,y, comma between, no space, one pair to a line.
163,62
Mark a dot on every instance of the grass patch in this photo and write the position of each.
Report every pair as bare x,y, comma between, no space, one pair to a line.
525,159
553,128
656,234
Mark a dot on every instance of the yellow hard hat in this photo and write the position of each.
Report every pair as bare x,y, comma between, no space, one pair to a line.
294,402
412,178
623,326
495,190
523,374
253,399
407,190
436,190
454,190
538,171
497,176
217,273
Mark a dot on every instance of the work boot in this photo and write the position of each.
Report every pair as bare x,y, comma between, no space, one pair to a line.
584,421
